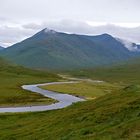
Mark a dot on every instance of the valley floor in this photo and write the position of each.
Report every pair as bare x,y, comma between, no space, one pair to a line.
113,115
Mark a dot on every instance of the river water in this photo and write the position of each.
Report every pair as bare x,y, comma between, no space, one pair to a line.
64,100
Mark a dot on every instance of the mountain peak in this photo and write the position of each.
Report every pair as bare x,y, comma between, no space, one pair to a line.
47,30
106,35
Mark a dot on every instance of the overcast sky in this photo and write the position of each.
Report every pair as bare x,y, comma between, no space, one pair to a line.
22,18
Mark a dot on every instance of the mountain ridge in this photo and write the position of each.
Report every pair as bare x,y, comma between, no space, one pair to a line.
55,50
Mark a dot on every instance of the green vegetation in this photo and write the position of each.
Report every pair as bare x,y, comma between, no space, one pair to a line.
11,80
90,90
115,116
125,73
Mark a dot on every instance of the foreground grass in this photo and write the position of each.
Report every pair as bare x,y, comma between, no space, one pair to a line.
114,116
88,90
11,80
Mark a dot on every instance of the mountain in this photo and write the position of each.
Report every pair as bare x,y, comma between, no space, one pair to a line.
56,50
1,48
4,63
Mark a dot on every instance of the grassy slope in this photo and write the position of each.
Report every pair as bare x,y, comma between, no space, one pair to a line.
11,80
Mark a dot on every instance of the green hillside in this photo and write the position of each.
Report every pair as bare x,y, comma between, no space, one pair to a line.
125,73
60,51
12,77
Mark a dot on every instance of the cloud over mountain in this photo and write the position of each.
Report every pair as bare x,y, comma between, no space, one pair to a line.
15,32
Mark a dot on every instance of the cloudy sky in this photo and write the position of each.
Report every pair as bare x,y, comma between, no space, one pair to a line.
20,19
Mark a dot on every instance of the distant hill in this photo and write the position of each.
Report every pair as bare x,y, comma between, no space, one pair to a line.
4,62
54,50
7,68
127,72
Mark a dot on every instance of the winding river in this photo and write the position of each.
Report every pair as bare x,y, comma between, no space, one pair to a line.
64,100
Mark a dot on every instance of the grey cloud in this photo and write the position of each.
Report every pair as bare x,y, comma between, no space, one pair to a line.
11,35
95,10
32,26
22,18
80,27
